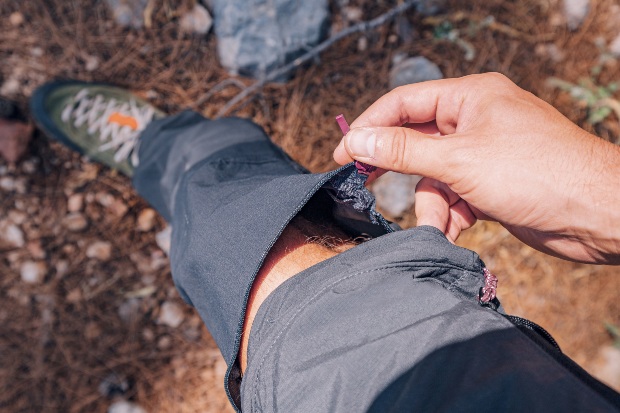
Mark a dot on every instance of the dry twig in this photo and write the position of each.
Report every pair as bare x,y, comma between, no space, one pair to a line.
274,74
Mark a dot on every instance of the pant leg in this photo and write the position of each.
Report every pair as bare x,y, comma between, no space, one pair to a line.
395,325
229,193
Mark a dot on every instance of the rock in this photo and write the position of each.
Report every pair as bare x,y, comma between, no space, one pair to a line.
362,44
100,250
146,220
164,342
17,217
113,385
575,12
163,239
256,36
11,235
614,46
129,309
33,272
353,14
75,222
413,70
148,334
75,203
128,13
91,63
430,7
10,87
197,20
36,250
114,205
606,366
62,267
122,406
171,314
16,18
395,193
29,167
14,138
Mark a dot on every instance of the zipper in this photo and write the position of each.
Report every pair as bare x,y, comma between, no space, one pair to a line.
305,200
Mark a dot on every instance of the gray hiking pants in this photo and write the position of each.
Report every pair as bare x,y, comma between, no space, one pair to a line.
393,325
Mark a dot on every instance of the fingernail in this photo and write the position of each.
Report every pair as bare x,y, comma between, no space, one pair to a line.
361,142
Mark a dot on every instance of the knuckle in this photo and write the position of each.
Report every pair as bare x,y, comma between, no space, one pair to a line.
397,150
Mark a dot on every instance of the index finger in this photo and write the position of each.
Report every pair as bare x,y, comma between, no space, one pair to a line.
436,100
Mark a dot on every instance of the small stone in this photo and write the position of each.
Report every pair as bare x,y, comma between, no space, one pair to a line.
128,311
16,18
7,183
614,46
29,167
353,14
91,63
10,87
113,385
11,234
413,70
164,342
362,44
75,222
114,205
36,250
74,295
100,250
606,366
122,406
148,334
75,203
171,314
62,267
163,239
575,12
128,13
33,272
17,217
36,52
197,20
14,136
395,193
146,220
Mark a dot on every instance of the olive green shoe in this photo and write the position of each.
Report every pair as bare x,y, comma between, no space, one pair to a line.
100,121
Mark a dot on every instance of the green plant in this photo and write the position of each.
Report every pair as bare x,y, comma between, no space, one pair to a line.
614,331
598,99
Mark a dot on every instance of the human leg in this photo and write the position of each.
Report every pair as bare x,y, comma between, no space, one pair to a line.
318,340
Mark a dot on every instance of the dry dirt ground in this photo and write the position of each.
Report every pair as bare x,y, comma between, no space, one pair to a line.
92,319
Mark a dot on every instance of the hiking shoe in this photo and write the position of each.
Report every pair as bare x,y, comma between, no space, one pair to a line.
100,121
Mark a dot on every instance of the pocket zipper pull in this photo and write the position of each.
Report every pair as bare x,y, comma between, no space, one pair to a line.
362,168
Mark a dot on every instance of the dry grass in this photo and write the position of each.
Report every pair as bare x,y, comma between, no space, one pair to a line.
59,340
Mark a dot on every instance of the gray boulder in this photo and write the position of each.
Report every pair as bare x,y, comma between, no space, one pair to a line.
256,36
413,70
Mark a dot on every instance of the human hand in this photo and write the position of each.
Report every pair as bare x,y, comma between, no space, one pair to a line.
490,150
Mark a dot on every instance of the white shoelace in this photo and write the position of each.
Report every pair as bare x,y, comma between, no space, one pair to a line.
96,112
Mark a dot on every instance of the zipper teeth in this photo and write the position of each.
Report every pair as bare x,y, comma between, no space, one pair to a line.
262,259
535,327
580,374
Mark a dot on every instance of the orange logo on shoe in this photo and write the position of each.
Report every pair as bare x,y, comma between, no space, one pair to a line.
123,120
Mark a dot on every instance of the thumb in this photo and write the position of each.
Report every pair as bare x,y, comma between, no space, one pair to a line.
398,149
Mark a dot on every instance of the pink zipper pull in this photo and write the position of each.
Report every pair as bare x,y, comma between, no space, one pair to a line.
489,291
362,168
